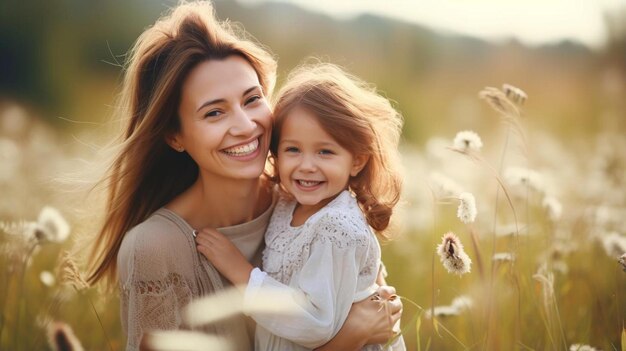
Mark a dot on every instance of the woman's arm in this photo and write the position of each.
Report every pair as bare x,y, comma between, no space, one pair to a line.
368,323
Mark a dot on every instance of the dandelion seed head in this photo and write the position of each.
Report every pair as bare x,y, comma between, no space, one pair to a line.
511,229
230,302
459,304
517,95
466,141
523,177
462,302
444,186
622,261
466,211
581,347
442,311
27,231
452,256
70,274
553,208
546,278
498,100
61,337
503,257
614,244
183,340
10,159
55,227
47,278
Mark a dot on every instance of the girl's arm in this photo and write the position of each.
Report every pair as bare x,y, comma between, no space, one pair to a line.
366,323
318,303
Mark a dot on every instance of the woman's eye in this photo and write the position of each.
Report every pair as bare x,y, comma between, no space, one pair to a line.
253,99
213,113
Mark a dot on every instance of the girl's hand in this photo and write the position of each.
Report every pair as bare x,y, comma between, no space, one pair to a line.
224,255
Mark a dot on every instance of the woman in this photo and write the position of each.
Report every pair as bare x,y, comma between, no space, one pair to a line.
192,156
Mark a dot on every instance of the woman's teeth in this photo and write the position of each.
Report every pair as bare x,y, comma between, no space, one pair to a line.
243,150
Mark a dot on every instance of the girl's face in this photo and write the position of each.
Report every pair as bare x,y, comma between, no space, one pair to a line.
225,119
312,166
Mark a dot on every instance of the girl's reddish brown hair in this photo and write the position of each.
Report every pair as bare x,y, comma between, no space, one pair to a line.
361,121
146,173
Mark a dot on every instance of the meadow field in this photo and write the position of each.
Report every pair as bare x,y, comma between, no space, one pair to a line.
518,151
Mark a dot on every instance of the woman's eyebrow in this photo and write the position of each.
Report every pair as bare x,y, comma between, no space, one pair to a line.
211,102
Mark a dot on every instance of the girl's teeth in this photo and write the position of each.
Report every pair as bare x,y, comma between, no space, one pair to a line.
243,149
308,183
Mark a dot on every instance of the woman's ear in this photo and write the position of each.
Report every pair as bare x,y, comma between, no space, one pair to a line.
173,140
358,164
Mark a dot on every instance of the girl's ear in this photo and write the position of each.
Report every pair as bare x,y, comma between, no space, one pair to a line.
358,164
173,140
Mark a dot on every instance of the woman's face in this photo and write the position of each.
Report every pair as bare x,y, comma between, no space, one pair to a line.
225,119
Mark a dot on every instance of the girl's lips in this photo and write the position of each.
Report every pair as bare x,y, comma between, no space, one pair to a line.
308,185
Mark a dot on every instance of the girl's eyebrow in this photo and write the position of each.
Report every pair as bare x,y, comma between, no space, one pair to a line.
217,101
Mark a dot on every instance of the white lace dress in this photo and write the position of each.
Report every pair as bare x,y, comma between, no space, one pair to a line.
324,265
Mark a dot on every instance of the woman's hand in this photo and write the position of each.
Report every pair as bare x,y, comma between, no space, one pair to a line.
224,255
370,321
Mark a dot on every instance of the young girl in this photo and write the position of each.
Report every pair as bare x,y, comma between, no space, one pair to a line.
335,152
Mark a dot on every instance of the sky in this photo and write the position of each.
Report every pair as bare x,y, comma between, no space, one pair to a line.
530,21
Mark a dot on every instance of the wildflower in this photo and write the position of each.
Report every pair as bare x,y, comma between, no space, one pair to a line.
466,141
183,340
443,311
229,302
28,231
462,302
62,338
517,95
553,208
546,278
524,177
498,101
467,208
451,254
47,278
70,274
511,230
622,261
579,347
459,304
444,186
55,227
503,257
614,244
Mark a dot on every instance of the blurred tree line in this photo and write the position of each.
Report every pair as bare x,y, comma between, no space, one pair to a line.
63,57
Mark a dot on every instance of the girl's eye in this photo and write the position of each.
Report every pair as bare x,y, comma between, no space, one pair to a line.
291,149
213,113
253,99
326,152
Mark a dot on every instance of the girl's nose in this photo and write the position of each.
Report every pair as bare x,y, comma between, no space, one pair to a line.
307,164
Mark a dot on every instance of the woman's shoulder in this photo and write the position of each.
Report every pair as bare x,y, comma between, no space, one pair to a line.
156,239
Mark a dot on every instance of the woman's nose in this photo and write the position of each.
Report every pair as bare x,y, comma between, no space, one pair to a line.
243,123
